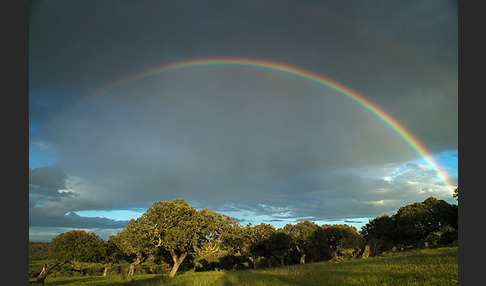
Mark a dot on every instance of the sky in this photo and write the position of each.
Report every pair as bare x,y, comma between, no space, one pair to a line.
258,144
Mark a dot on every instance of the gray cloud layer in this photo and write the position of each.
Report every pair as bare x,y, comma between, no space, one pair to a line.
223,138
51,201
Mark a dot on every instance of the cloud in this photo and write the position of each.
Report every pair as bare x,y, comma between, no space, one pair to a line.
53,198
45,234
51,177
352,221
237,139
354,193
72,220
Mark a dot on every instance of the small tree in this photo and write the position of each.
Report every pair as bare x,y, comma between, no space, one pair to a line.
414,222
278,246
344,240
309,239
134,243
75,247
378,233
255,240
417,224
113,255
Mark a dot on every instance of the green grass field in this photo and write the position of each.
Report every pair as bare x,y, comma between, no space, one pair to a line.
413,267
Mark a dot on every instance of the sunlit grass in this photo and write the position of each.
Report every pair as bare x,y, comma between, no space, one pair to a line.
415,267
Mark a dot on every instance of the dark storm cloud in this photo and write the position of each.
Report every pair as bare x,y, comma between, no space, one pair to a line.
52,198
50,177
248,143
130,36
48,183
388,48
50,202
237,139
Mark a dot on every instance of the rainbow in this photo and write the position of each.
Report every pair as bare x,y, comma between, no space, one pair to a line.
411,140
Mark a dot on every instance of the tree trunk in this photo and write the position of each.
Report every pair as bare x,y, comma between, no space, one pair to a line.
106,269
45,271
358,251
177,262
367,251
335,255
255,260
302,255
131,270
302,258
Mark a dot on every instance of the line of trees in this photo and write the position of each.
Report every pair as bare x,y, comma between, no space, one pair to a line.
175,233
429,223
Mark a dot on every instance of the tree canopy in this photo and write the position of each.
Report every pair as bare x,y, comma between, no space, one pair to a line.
78,246
309,240
75,247
174,230
421,223
178,228
344,240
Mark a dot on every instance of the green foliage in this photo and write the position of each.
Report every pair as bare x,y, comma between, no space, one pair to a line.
309,239
224,259
432,222
172,225
416,221
132,242
173,235
78,246
344,241
233,262
179,227
234,239
39,251
208,262
257,238
175,231
336,232
301,233
277,246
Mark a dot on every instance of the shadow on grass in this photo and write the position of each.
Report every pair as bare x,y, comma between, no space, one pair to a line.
110,280
417,268
263,279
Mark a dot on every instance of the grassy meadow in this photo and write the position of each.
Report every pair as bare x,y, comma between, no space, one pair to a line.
413,267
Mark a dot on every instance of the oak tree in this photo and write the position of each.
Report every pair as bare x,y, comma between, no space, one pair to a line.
180,229
74,248
308,239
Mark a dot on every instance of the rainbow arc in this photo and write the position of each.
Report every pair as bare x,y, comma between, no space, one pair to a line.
409,138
